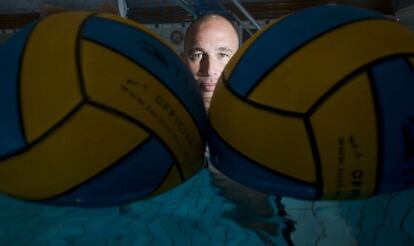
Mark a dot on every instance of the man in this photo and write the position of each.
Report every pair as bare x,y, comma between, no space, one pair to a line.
209,43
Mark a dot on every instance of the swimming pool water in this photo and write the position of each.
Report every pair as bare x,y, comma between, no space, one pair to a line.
200,212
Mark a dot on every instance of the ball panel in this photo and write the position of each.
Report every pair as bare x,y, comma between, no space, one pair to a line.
134,24
125,180
236,165
117,82
348,148
233,62
283,141
284,86
11,52
153,56
291,33
394,87
78,149
172,179
44,101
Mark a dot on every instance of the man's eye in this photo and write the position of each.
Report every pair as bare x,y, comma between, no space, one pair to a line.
196,55
223,55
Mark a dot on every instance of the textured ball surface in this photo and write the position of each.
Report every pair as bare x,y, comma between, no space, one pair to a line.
95,111
319,105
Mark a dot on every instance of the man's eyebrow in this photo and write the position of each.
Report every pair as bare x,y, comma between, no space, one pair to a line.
224,49
195,49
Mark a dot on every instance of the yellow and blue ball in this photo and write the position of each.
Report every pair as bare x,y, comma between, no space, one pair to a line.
319,105
95,111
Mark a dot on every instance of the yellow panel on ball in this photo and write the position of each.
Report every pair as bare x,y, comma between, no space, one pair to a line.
48,92
54,165
348,149
302,68
276,141
115,81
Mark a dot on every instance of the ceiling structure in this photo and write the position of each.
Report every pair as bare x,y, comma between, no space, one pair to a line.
16,13
257,9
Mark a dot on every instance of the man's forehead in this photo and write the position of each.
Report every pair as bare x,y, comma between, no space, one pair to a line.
214,38
215,26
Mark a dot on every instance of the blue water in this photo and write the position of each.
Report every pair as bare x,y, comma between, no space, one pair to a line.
208,210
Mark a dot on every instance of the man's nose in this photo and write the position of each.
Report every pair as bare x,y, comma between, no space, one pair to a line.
207,66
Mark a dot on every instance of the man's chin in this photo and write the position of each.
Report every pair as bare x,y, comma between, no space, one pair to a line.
207,103
207,98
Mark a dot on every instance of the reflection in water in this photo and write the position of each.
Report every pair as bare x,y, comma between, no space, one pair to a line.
380,220
202,212
289,224
265,215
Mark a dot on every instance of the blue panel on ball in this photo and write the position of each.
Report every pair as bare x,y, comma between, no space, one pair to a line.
286,36
153,56
394,86
11,52
245,172
133,177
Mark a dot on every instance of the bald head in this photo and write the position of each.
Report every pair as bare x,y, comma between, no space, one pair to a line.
209,44
207,20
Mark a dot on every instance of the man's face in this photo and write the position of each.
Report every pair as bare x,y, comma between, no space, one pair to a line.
210,45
